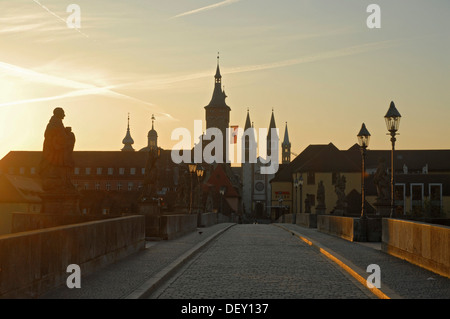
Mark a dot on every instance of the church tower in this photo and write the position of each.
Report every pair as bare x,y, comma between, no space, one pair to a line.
286,148
248,169
272,125
128,140
152,136
217,111
249,138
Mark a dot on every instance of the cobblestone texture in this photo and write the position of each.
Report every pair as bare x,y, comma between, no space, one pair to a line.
122,278
405,279
257,262
260,262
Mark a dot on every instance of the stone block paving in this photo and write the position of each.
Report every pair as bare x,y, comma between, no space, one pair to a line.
401,277
256,261
122,278
261,262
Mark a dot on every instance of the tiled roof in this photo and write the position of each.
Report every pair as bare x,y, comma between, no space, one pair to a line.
315,158
327,158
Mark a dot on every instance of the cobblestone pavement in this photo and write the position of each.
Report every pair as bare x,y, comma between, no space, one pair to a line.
122,278
398,276
261,262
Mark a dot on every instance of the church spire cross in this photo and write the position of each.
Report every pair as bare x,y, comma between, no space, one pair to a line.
128,140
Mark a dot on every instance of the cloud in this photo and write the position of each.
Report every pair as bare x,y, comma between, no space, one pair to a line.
206,8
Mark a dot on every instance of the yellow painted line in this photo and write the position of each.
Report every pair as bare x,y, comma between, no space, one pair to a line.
377,292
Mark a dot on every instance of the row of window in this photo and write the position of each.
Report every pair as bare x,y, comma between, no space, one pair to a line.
108,186
85,171
108,171
417,195
22,170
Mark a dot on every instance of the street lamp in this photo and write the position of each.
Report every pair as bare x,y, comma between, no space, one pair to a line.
222,191
300,184
200,170
192,168
363,140
392,118
280,203
296,185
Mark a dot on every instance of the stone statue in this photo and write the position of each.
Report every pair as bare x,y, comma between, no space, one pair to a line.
340,191
149,190
57,154
320,195
307,205
381,180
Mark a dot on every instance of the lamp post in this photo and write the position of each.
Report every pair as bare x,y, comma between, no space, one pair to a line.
392,118
300,184
296,184
222,193
200,170
363,140
192,168
280,204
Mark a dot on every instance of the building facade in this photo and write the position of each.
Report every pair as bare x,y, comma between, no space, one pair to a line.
422,180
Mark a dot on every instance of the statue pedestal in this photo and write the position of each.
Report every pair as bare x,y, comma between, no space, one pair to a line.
148,209
321,210
383,208
62,203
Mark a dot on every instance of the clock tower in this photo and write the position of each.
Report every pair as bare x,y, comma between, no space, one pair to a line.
217,111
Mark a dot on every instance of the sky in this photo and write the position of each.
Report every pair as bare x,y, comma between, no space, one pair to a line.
316,63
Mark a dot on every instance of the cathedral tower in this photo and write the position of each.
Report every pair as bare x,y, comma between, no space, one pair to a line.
217,111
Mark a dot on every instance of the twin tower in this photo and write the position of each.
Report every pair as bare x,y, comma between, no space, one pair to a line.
218,116
255,186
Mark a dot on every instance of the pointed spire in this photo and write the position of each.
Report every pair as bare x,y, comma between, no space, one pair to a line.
218,76
272,121
152,132
219,96
152,136
248,124
286,136
286,148
128,140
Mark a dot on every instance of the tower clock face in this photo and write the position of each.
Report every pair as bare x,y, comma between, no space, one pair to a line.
259,186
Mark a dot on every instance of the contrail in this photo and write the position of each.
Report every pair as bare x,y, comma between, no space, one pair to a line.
354,50
58,17
166,81
210,7
80,89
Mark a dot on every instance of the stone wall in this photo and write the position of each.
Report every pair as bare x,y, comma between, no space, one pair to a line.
34,262
425,245
343,227
169,226
349,228
32,221
306,220
173,226
208,219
